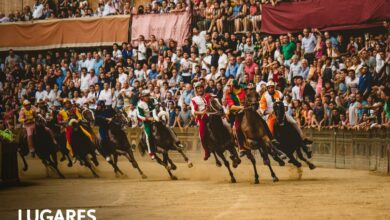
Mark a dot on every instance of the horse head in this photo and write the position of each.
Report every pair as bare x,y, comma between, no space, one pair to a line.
215,107
40,120
74,123
279,112
88,115
250,101
121,119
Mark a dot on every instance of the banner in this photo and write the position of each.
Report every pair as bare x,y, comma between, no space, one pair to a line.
324,15
166,26
61,33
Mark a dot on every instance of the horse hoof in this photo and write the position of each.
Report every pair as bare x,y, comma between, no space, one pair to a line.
312,166
62,159
234,180
173,167
218,164
257,181
309,154
144,176
275,179
190,165
235,165
25,169
173,178
282,163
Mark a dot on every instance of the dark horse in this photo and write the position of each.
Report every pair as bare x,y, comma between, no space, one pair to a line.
256,136
219,138
82,146
59,134
119,144
165,140
44,145
289,138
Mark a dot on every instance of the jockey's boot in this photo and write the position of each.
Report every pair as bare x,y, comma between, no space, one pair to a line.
206,154
307,141
152,156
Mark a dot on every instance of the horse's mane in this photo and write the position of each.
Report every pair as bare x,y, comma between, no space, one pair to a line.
219,131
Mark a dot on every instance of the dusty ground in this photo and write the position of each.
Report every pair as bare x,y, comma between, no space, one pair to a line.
203,192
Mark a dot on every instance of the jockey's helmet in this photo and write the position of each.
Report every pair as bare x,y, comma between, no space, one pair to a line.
270,83
26,102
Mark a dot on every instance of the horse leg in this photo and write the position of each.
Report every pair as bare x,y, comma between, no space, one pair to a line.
158,159
234,156
301,157
94,159
250,156
116,163
173,166
217,162
227,165
89,165
25,165
180,150
70,163
293,160
130,156
53,163
307,151
267,162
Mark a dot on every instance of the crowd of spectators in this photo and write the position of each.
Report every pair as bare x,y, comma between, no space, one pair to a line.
241,12
328,79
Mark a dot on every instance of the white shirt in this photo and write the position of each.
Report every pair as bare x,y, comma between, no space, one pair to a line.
89,63
92,97
296,93
40,95
222,62
379,63
309,43
206,61
122,78
352,84
141,51
213,77
84,82
200,41
106,96
37,11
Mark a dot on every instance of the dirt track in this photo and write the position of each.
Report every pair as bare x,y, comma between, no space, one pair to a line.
203,192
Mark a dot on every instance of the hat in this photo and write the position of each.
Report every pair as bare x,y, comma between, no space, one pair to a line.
197,84
270,83
65,100
26,102
145,93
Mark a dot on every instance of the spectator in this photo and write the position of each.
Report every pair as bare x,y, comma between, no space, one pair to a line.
37,10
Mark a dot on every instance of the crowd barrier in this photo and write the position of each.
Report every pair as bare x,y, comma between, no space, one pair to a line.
332,148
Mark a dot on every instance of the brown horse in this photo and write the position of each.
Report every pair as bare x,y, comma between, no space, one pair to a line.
218,137
257,137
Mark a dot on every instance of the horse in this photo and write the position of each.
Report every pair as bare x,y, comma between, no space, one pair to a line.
165,139
219,138
119,144
289,138
256,136
45,148
59,135
83,146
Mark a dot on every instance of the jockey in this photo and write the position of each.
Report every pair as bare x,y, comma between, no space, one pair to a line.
267,102
199,105
234,100
144,113
103,118
65,116
266,108
26,117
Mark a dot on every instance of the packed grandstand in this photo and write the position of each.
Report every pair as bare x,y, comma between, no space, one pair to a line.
329,79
